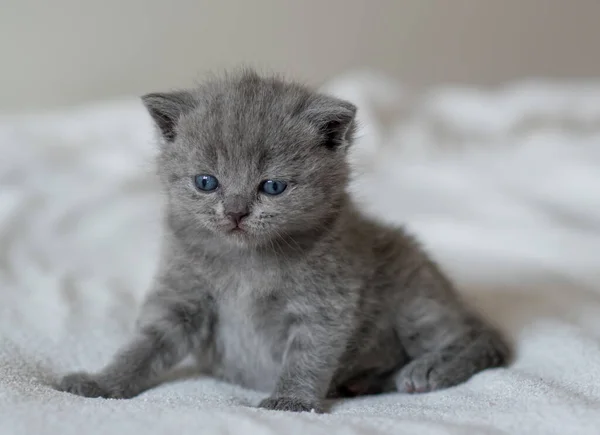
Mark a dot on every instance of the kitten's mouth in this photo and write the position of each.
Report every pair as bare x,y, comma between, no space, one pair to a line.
238,235
236,230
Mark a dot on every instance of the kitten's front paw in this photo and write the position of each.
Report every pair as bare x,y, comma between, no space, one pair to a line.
429,373
87,385
292,404
81,384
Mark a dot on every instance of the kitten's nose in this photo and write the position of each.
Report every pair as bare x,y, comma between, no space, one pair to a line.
237,216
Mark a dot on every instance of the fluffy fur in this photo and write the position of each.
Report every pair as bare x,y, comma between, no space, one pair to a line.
307,298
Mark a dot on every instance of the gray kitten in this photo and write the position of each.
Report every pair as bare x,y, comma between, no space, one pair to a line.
271,276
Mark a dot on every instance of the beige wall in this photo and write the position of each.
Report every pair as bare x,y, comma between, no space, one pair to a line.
66,51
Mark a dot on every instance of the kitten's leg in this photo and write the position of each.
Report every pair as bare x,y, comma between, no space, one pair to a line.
169,328
309,363
445,341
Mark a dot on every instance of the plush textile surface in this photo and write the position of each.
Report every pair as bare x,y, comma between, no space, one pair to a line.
502,186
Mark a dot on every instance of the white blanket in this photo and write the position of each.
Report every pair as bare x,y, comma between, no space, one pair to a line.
502,186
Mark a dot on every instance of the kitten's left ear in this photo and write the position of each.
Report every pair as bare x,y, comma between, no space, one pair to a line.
166,109
335,120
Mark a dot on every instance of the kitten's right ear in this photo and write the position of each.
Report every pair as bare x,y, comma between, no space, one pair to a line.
166,109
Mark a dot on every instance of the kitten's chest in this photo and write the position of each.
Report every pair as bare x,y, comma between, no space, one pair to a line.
252,330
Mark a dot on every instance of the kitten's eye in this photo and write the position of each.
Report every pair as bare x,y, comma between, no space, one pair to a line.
273,187
206,183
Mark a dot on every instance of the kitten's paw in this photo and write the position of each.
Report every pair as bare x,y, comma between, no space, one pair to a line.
451,367
81,384
292,404
427,373
87,385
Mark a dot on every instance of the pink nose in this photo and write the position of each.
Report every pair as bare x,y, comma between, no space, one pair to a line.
236,217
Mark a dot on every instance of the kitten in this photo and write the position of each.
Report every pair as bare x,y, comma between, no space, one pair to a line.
271,276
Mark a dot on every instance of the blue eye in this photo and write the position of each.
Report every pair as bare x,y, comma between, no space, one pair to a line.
206,183
273,187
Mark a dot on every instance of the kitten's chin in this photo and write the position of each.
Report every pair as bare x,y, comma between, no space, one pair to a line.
244,239
239,238
247,238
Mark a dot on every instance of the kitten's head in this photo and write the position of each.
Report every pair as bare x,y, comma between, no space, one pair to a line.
252,159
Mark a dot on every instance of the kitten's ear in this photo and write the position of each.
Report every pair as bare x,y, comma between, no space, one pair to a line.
166,109
335,121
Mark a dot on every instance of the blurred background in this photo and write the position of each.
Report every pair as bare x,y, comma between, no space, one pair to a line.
62,52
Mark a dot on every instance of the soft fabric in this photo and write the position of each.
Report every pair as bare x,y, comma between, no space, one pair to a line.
502,186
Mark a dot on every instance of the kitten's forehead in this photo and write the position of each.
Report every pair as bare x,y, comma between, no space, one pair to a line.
250,124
